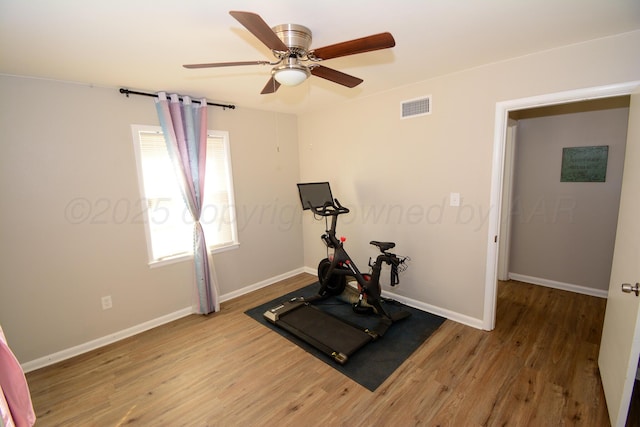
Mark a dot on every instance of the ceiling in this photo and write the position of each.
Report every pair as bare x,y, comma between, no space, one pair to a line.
142,44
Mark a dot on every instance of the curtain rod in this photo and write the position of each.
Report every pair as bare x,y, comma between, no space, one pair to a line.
128,92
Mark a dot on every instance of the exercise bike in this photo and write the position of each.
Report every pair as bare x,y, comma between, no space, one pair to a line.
333,336
334,271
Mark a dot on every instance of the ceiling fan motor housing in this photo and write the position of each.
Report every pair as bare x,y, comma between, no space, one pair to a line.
296,37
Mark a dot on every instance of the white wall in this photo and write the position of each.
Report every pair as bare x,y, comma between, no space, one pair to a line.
67,150
565,231
376,161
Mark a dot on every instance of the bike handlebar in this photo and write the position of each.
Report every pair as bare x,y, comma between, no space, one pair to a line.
331,209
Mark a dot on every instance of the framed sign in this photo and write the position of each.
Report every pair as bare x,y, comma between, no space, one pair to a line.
584,164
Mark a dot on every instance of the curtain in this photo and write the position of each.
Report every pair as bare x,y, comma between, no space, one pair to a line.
184,125
16,408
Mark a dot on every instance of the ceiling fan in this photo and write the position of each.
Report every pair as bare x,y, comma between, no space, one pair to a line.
290,45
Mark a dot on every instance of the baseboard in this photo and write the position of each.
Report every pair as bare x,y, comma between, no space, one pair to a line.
559,285
126,333
102,341
261,284
438,311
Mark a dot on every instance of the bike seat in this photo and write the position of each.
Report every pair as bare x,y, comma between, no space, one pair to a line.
384,246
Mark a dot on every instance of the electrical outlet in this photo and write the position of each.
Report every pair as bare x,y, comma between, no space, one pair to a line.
106,302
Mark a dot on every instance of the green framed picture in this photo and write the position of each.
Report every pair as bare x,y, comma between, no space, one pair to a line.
584,164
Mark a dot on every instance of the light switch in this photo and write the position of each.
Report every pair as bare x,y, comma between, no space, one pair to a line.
454,199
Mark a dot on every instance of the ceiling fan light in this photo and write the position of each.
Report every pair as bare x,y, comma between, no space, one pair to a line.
291,75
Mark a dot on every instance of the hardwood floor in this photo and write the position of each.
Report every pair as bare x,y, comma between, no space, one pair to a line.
538,367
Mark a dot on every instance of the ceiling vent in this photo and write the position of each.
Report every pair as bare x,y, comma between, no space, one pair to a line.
416,107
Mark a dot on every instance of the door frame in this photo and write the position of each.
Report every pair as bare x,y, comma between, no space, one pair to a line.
503,109
504,235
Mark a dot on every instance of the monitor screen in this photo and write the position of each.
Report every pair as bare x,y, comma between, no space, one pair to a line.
314,194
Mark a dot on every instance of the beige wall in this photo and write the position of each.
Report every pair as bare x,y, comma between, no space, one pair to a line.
64,143
374,160
565,231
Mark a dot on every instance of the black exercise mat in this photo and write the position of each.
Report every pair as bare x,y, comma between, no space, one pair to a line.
371,365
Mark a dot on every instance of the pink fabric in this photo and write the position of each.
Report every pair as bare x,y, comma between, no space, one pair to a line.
5,413
14,387
185,131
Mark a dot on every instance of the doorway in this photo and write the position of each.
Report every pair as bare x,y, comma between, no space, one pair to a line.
555,232
503,109
502,112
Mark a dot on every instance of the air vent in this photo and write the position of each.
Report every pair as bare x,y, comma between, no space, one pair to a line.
415,107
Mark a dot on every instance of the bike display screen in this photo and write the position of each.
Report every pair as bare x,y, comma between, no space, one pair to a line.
314,194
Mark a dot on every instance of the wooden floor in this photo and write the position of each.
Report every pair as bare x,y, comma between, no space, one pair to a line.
538,368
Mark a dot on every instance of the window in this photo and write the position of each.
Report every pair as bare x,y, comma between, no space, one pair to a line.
168,222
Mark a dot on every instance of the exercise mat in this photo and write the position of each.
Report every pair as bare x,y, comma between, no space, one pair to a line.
376,361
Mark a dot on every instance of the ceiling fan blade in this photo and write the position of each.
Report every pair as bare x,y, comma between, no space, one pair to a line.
271,86
335,76
226,64
352,47
256,25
